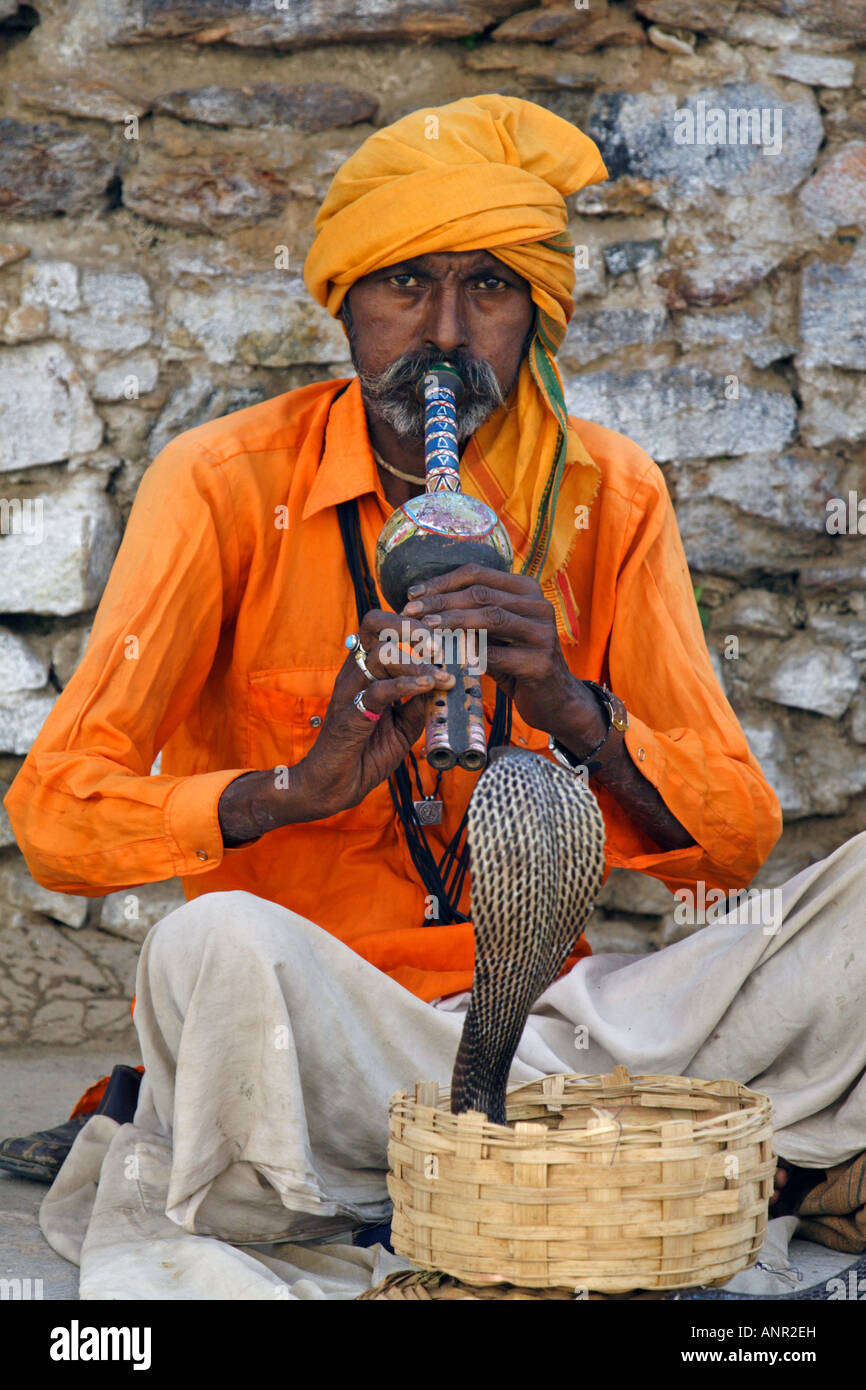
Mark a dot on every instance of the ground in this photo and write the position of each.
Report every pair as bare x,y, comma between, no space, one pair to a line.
40,1085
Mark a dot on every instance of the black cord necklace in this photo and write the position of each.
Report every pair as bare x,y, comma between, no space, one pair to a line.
443,879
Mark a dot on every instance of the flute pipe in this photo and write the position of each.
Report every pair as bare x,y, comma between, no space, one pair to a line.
455,732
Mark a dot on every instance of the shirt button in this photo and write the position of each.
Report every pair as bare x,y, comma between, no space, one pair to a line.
201,854
522,740
641,754
315,720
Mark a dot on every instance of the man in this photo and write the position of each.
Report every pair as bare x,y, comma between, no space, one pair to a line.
270,1048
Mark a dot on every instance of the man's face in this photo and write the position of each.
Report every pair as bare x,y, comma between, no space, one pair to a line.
463,306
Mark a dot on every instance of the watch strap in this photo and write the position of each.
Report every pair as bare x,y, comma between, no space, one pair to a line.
609,745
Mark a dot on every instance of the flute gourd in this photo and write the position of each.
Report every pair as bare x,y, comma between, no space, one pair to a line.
432,534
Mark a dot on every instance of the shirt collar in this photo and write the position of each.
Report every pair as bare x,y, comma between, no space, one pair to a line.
347,468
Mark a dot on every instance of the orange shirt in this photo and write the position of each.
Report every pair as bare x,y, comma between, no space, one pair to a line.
231,579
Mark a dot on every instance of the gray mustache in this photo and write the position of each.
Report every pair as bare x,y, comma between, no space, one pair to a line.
392,393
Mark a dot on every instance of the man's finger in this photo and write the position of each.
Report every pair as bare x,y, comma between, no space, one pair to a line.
380,694
386,646
515,663
479,596
473,573
505,626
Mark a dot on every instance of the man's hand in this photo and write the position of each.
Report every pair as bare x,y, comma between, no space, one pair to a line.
352,754
524,657
526,661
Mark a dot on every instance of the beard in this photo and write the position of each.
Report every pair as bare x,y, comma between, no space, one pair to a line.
392,395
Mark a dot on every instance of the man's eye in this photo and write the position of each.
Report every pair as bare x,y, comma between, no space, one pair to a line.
402,280
490,282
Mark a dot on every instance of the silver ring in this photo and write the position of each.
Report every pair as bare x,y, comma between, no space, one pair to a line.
353,642
358,702
359,654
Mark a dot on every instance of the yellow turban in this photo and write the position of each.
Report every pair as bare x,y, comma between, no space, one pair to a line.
487,172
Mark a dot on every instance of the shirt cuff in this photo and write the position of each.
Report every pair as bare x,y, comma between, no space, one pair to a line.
192,820
646,753
690,807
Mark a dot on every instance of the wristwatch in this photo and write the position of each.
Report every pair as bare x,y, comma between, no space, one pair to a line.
599,756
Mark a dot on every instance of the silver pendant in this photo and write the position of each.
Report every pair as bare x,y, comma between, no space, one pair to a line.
428,811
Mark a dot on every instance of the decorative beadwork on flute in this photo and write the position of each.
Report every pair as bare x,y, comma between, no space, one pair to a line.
442,389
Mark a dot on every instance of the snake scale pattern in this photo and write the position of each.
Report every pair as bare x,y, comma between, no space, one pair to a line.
536,847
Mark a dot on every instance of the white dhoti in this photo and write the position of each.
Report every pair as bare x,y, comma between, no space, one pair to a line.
271,1051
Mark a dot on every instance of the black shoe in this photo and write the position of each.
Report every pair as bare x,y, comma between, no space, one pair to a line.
40,1156
121,1095
374,1235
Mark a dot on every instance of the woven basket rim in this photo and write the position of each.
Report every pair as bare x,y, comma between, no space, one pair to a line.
753,1110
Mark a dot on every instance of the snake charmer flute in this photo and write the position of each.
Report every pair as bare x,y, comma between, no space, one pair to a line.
428,535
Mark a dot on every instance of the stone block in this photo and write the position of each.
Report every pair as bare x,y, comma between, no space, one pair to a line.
21,668
25,324
833,315
93,100
194,402
765,739
265,320
738,138
132,912
67,571
682,412
704,16
834,405
806,674
21,718
46,413
814,69
309,106
51,285
20,889
127,379
757,611
12,251
840,20
836,195
623,256
261,24
789,489
719,539
67,649
213,193
7,837
627,891
116,312
593,334
46,170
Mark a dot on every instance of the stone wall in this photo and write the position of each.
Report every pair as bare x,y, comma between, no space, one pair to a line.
160,168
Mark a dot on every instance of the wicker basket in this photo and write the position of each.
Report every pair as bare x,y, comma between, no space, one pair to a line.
611,1183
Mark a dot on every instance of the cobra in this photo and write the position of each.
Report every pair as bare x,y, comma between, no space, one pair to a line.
536,848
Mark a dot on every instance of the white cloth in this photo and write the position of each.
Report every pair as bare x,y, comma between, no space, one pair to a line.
271,1051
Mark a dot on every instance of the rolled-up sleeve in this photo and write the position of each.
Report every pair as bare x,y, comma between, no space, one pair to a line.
88,816
683,735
